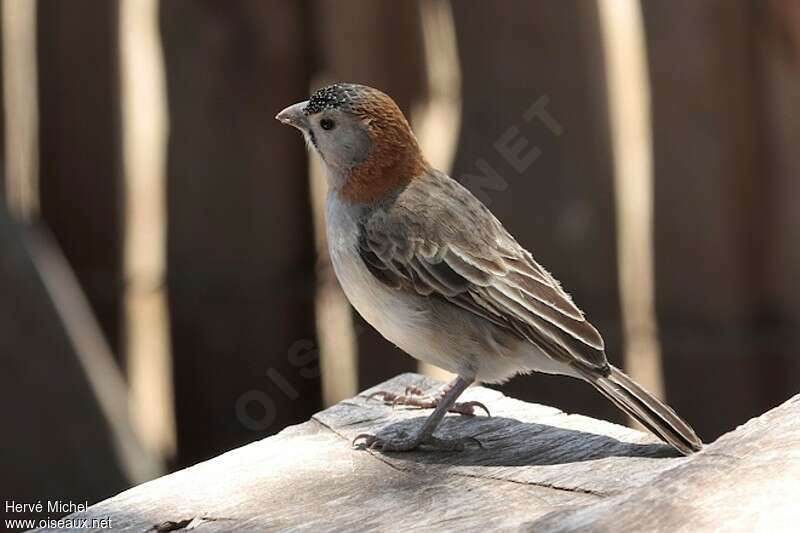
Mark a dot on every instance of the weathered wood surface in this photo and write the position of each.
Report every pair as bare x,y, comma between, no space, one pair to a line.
537,469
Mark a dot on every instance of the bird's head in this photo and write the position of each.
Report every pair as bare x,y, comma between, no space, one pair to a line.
362,137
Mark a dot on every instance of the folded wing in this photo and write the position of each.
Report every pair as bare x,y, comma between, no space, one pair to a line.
496,280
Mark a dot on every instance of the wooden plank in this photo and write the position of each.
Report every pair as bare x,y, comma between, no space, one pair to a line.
240,250
778,24
80,151
3,126
21,110
555,192
536,469
708,199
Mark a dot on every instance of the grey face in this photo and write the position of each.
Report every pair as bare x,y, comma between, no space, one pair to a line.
340,137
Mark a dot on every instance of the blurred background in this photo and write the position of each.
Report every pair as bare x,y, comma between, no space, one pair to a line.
165,294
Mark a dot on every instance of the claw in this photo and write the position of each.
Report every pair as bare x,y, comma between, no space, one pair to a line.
411,398
369,441
413,401
372,442
468,408
386,396
398,400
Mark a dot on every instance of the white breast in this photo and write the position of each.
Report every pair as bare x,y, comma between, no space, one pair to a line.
373,300
403,319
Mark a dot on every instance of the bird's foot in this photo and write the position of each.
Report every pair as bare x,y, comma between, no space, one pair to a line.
416,397
406,443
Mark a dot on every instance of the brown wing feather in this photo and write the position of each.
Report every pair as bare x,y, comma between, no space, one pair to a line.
505,287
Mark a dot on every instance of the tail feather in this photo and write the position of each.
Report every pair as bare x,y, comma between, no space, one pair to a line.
651,412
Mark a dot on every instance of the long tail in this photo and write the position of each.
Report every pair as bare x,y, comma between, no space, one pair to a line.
651,412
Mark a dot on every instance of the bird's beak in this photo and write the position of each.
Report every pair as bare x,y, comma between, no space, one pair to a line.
294,116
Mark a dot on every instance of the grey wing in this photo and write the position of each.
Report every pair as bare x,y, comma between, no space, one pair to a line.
495,279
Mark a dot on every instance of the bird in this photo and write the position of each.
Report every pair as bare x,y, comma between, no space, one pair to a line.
435,272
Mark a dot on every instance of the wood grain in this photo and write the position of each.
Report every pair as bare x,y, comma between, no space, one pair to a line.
536,468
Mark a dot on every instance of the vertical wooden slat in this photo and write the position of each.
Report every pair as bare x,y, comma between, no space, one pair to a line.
377,43
709,173
778,26
628,88
535,146
2,119
144,139
71,438
80,183
374,42
21,110
240,249
68,438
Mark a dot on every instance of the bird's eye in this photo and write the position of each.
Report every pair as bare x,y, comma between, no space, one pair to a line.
327,124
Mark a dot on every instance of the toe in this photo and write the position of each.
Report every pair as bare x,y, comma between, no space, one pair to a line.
468,408
369,441
385,396
398,446
413,390
479,405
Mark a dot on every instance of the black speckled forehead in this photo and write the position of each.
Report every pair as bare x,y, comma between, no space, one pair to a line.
338,96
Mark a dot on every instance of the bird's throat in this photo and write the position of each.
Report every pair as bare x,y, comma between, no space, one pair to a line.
387,168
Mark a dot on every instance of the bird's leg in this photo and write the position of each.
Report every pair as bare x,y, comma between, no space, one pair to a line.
416,397
424,436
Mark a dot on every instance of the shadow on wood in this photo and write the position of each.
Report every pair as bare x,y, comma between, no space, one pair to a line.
536,468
